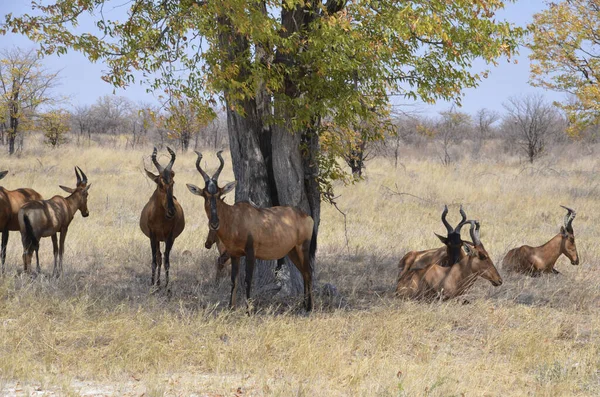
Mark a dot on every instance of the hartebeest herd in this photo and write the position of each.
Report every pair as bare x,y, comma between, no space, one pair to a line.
244,230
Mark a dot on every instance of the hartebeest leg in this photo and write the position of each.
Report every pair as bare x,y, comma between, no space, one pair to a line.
55,250
168,246
61,251
301,258
3,249
235,267
154,245
249,270
158,263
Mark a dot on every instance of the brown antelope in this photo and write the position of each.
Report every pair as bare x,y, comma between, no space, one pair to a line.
11,202
449,282
447,255
534,261
162,217
257,233
47,218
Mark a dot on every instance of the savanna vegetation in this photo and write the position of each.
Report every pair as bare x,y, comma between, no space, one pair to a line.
299,91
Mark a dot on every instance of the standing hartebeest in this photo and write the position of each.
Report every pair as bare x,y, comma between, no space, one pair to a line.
162,217
46,218
534,261
449,282
11,202
257,233
445,256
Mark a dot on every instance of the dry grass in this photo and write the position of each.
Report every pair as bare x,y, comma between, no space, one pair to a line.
99,329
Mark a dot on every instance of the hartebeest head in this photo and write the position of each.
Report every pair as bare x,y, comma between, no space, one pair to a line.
568,246
3,174
481,262
211,192
164,181
453,240
81,191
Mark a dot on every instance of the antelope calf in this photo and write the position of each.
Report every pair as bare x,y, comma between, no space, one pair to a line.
11,202
449,282
257,233
47,218
447,255
162,217
534,261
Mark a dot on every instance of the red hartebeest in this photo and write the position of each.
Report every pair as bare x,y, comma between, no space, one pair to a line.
445,256
448,282
534,261
257,233
47,218
11,202
162,217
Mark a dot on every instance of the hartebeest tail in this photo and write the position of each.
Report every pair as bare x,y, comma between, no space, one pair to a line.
11,202
257,233
47,218
449,282
447,255
162,218
534,261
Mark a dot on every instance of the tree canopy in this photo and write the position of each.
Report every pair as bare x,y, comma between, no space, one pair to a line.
566,57
331,60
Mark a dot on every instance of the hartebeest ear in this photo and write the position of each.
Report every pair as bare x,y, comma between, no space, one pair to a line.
443,239
467,249
194,189
87,187
152,176
67,189
3,174
229,187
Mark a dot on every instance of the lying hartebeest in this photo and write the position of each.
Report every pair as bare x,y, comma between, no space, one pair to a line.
257,233
534,261
449,282
447,255
162,217
46,218
11,202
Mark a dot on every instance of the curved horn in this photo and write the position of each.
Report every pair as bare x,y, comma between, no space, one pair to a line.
77,175
199,168
462,222
216,175
444,221
156,163
474,232
83,176
170,165
569,217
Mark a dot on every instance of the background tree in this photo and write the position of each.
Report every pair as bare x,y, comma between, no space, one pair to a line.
566,57
282,67
55,124
81,117
449,129
24,86
184,121
531,121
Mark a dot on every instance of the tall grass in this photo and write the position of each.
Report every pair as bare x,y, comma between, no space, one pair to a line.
100,329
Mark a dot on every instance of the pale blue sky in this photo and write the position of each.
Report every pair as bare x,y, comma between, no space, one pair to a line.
82,84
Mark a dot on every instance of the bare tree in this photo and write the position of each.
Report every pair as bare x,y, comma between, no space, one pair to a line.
484,119
532,122
24,86
81,117
450,128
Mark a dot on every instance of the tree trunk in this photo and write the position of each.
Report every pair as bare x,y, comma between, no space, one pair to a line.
12,134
